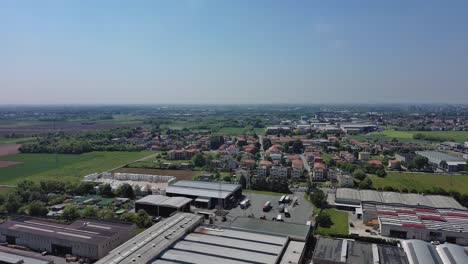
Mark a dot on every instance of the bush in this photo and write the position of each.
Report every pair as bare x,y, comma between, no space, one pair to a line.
324,220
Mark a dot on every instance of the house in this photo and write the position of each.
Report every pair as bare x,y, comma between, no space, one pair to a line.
262,172
319,172
310,156
394,164
344,180
364,155
297,169
248,163
182,154
375,162
279,172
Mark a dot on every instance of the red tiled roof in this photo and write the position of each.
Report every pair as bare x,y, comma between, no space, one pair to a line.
405,212
456,214
415,225
375,162
387,213
318,165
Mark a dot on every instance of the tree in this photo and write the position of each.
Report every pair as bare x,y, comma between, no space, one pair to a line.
89,211
70,213
365,184
37,208
323,219
227,178
143,219
125,190
128,217
106,190
381,173
297,147
85,188
199,160
359,174
243,182
420,161
318,198
12,203
137,190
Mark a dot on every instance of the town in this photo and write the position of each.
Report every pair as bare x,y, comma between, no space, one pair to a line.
316,183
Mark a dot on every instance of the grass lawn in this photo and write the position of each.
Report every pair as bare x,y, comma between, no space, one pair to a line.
422,181
339,226
264,192
389,134
68,167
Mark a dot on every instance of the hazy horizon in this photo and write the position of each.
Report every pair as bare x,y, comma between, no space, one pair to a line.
233,52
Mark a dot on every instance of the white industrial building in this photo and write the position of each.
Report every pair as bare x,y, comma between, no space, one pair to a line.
453,163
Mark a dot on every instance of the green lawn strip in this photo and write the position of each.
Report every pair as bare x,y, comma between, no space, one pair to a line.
15,140
339,226
422,181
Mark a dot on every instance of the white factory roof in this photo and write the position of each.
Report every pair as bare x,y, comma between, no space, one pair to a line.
208,185
440,156
197,192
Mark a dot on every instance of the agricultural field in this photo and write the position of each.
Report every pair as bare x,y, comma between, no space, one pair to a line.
179,174
8,149
62,166
422,181
389,134
339,226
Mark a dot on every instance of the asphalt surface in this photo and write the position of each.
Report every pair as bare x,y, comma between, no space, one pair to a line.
300,213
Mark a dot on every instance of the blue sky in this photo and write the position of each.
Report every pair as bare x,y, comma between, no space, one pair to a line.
189,51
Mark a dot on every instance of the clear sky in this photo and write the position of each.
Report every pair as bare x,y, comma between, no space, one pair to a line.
240,51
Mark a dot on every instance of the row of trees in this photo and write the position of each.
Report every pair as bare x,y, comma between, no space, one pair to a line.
77,144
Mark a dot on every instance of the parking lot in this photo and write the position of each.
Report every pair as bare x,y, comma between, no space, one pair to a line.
300,213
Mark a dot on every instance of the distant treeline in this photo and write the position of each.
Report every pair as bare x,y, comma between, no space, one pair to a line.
77,144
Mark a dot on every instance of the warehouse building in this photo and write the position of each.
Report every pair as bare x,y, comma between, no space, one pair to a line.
206,194
350,199
410,222
419,252
160,205
89,238
337,250
445,161
183,238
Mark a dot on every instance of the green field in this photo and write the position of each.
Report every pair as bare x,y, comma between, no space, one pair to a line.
422,181
389,134
68,167
340,223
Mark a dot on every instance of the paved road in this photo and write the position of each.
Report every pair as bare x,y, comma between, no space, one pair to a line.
262,150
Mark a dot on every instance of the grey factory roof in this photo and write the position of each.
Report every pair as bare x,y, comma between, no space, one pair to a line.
197,192
17,259
213,246
354,196
451,253
420,252
436,156
208,185
293,252
161,200
350,251
294,230
151,242
204,189
90,231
